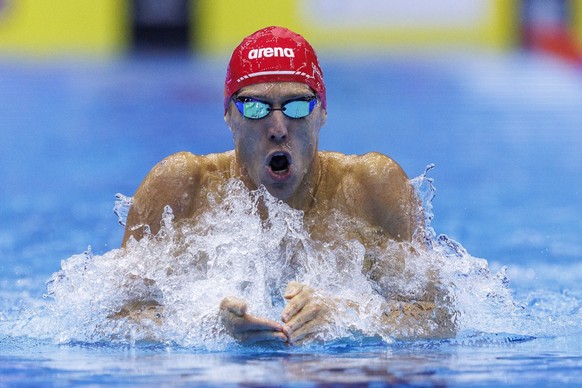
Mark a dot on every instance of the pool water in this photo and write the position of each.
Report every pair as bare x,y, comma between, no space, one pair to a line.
502,132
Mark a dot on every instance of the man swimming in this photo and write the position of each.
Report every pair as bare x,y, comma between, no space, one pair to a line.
275,105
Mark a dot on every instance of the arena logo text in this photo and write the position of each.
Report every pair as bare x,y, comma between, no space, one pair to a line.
268,52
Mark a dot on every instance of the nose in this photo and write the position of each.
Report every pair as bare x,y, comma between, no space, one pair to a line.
277,131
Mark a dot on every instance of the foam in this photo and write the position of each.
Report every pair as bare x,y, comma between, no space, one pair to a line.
232,250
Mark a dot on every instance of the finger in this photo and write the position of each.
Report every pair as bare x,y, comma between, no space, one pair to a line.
252,323
293,288
252,337
240,325
305,330
295,305
234,305
306,315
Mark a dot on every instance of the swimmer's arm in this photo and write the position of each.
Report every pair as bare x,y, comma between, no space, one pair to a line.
408,320
428,315
307,313
144,309
174,182
384,196
418,319
143,312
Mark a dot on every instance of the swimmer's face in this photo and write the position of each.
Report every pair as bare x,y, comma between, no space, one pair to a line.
276,151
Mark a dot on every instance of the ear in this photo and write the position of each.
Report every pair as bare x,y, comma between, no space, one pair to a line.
323,117
228,119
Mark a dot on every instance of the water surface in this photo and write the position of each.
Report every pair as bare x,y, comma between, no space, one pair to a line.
503,132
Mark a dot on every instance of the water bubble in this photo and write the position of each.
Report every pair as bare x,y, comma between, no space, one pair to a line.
121,208
251,245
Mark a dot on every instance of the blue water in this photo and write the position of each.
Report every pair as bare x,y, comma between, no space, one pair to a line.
502,130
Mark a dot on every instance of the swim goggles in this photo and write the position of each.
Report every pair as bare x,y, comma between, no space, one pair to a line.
256,109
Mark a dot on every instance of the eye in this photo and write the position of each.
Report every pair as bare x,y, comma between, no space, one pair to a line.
245,99
252,108
299,107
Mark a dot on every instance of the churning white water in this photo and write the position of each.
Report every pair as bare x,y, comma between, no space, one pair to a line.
234,251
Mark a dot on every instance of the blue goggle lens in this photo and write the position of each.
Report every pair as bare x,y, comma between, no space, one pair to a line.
256,109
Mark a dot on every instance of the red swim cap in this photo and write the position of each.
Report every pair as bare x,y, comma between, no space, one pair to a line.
273,54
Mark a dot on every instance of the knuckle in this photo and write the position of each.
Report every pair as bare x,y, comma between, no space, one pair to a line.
294,305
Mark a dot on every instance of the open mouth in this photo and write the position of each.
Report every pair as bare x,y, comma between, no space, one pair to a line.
279,163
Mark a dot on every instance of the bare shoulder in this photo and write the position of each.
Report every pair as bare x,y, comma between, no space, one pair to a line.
175,181
183,168
377,166
174,166
374,186
172,175
371,168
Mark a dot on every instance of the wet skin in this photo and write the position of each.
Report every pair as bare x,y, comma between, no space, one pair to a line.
281,153
278,152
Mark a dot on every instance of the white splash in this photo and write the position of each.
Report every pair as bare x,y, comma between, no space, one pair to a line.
233,251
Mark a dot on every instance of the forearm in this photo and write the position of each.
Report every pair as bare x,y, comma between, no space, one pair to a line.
393,319
418,319
140,311
415,305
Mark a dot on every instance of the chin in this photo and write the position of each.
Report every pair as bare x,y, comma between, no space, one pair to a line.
282,193
280,186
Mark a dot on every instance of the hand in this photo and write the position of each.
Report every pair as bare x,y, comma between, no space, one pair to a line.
304,314
247,328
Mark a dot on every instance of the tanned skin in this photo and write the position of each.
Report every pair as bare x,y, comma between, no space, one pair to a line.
372,188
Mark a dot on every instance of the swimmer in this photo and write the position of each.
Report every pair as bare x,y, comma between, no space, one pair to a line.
275,105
